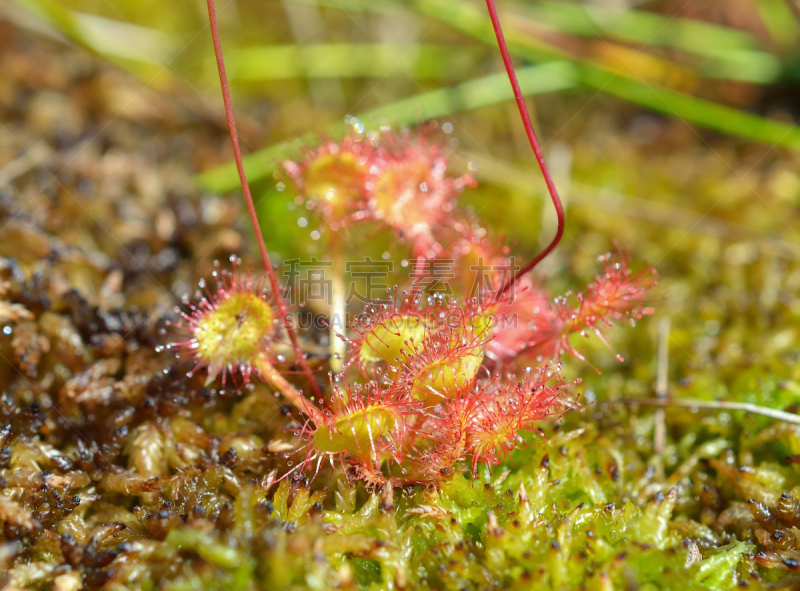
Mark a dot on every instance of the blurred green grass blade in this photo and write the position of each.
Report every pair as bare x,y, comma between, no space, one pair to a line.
636,26
476,93
780,21
741,65
352,60
488,90
724,53
727,53
473,22
385,8
710,115
115,40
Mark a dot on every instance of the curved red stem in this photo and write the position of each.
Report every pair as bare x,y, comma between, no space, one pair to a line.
537,151
251,209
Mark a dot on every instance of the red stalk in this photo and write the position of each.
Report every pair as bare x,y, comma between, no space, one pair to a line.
251,209
537,151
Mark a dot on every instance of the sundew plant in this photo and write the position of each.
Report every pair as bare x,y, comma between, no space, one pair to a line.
179,411
441,381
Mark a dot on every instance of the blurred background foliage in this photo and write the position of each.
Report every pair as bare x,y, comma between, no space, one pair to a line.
669,126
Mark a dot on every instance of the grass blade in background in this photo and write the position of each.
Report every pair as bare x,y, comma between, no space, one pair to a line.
133,47
632,75
476,93
352,60
726,53
779,20
719,52
473,22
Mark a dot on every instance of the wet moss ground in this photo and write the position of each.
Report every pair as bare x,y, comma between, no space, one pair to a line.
119,471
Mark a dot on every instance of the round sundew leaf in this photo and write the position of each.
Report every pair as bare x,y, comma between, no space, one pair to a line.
397,196
387,341
356,433
336,181
234,330
483,324
443,379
